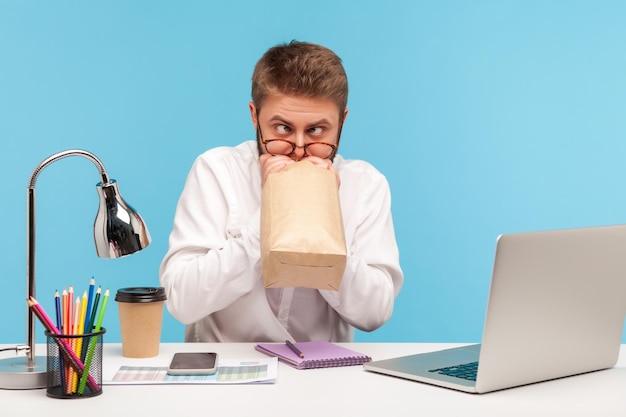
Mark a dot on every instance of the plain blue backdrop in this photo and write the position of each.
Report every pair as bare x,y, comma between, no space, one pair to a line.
486,117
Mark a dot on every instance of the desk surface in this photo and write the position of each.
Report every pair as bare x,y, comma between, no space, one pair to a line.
347,391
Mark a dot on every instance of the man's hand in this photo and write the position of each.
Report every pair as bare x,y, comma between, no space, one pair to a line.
276,163
272,163
324,164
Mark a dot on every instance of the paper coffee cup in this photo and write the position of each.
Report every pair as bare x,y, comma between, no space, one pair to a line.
141,319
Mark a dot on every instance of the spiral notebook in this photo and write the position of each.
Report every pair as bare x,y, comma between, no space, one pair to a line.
318,354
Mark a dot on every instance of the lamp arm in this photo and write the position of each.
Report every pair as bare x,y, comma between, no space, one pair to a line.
64,154
30,235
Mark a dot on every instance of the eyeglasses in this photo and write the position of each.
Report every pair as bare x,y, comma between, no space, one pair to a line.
286,147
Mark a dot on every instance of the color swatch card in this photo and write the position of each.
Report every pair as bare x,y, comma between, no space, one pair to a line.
318,354
229,371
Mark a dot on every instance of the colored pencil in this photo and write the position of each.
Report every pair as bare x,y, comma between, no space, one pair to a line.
83,313
64,311
81,322
94,311
59,314
76,321
71,342
38,310
92,285
74,342
92,319
57,309
78,330
65,330
92,342
70,310
105,298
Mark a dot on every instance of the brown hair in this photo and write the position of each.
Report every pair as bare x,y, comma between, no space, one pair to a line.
301,69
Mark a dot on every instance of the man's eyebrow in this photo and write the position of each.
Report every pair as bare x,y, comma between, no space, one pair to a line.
280,119
322,121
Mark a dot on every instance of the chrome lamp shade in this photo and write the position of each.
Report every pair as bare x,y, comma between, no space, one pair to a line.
118,231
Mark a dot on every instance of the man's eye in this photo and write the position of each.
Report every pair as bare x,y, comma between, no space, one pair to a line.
317,130
282,129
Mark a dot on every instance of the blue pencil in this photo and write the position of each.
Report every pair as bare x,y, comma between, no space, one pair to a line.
85,319
94,309
57,307
89,326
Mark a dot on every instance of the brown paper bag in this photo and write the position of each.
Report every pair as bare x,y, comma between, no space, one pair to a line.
302,236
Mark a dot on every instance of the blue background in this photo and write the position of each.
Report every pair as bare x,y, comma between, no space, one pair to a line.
485,116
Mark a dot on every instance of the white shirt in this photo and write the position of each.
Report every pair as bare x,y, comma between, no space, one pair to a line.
212,270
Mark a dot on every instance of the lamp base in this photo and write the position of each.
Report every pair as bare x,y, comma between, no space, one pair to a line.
14,374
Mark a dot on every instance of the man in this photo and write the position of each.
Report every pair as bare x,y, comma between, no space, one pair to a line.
212,270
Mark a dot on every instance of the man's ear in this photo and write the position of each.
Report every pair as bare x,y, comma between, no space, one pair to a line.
345,114
253,114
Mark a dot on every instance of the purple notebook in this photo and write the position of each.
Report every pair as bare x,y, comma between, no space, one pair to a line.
319,354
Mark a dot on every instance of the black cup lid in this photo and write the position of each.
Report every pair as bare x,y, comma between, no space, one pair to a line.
140,294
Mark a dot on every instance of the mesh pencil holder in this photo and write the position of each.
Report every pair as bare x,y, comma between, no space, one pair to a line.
74,365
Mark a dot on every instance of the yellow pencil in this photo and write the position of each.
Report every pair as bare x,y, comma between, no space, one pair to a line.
81,323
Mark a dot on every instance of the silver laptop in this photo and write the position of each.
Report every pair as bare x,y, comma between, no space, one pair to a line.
556,308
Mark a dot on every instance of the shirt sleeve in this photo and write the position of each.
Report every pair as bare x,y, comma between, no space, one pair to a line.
373,277
214,254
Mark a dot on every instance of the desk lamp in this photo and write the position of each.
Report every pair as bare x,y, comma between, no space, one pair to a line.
118,231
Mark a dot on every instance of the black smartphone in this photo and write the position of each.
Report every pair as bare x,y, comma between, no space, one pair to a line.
193,363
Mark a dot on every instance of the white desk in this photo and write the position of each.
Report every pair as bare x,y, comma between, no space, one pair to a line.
331,392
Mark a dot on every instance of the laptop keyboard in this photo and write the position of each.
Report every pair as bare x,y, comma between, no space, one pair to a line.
465,371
